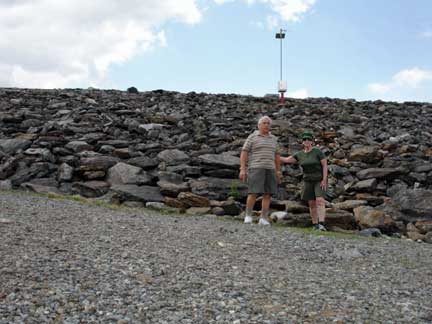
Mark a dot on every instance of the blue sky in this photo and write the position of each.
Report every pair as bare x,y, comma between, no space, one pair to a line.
364,50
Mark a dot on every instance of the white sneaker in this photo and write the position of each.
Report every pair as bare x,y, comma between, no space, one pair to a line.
263,221
248,219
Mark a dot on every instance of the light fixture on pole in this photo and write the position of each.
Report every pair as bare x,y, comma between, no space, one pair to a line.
282,87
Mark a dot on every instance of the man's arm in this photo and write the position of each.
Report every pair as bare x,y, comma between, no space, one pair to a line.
244,155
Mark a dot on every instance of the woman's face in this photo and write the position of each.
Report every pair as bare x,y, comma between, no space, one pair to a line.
307,142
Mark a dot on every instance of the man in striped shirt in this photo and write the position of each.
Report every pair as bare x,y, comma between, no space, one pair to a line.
260,167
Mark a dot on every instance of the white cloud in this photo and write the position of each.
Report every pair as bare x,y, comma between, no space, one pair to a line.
299,94
290,10
47,43
219,2
284,10
379,88
426,34
272,22
412,77
410,84
409,78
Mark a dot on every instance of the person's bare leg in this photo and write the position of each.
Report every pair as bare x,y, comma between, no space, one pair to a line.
265,206
250,202
320,208
313,211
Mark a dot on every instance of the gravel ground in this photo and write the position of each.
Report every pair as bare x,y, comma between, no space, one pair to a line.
64,261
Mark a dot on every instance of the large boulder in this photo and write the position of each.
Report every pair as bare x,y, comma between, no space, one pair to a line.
415,203
368,217
137,193
123,173
11,146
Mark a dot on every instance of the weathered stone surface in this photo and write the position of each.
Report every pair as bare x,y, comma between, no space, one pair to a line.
350,204
379,173
123,173
65,172
79,146
415,202
172,189
370,232
36,170
303,220
340,218
218,189
176,203
144,162
40,188
424,226
11,146
160,206
365,154
173,157
221,160
229,207
198,210
374,148
192,200
97,163
5,185
91,189
416,236
138,193
364,185
368,217
295,207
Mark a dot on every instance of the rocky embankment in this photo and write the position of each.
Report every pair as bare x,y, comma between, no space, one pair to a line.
181,151
62,261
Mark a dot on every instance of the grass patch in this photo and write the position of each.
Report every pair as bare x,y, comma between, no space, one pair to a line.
310,231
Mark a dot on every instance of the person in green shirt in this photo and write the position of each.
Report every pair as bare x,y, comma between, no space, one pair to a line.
314,166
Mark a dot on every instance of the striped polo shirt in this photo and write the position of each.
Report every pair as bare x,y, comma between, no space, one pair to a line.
261,150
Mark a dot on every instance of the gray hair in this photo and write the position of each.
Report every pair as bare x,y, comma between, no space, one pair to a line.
264,118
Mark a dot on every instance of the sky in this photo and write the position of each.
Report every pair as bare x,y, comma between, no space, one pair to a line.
365,50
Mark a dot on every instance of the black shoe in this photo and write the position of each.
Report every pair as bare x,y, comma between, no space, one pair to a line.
322,228
315,227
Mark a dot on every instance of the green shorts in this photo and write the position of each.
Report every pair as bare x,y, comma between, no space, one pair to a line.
262,181
311,190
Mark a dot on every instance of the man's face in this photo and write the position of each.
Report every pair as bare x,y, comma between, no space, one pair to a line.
264,126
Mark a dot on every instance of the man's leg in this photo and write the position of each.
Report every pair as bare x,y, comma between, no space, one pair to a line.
265,205
250,202
270,187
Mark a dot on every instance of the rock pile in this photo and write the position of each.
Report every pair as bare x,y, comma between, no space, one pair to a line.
174,150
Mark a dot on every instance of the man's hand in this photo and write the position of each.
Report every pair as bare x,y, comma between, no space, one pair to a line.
243,175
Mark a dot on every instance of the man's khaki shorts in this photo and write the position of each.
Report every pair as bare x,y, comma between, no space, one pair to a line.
262,181
311,190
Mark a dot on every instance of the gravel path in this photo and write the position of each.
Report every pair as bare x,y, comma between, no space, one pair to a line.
67,262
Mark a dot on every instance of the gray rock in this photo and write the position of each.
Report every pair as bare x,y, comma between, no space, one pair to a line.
173,157
123,173
220,160
368,232
11,146
416,203
138,193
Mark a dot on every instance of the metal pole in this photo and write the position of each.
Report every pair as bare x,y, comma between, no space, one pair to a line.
281,56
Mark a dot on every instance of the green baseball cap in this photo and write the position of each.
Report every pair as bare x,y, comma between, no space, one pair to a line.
307,135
